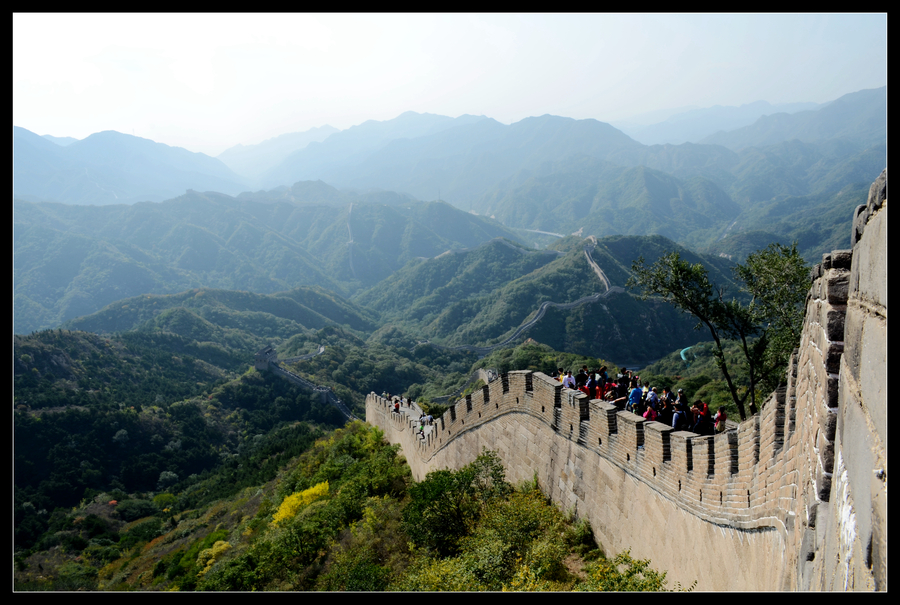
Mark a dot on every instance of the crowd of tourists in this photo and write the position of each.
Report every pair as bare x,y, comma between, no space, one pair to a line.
628,393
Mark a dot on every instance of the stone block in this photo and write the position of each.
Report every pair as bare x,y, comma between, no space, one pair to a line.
815,272
878,191
828,425
826,452
726,445
631,430
837,283
823,484
832,390
704,455
516,380
604,415
853,328
869,272
833,357
834,322
657,442
860,218
841,259
811,511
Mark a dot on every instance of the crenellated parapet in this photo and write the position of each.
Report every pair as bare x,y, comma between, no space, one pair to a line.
794,497
680,465
740,479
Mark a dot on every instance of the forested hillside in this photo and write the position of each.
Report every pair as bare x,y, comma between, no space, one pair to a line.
133,412
479,297
342,514
73,260
796,181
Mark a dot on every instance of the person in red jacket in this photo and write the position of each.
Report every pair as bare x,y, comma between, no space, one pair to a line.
701,417
720,418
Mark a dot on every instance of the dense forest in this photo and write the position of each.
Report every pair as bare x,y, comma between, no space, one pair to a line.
342,514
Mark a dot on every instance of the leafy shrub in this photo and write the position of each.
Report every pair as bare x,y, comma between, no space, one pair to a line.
299,500
624,574
208,556
375,541
435,575
142,532
73,576
444,507
164,501
131,510
103,552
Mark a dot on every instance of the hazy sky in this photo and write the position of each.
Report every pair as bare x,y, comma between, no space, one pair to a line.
207,82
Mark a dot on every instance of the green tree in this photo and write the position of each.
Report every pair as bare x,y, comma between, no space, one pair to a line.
688,288
767,329
777,278
443,507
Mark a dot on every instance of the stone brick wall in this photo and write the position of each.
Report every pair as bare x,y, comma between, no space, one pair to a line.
846,540
793,498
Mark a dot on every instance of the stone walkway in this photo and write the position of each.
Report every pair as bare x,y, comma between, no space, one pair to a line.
413,412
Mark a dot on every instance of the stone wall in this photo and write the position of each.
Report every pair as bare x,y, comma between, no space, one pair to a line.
846,542
794,498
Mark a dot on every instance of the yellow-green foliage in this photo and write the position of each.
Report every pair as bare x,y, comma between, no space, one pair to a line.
432,575
371,553
518,544
299,500
208,556
164,501
526,579
625,574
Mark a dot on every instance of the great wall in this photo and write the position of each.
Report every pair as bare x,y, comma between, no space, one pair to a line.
794,498
542,308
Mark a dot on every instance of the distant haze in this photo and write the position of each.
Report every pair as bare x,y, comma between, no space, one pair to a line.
210,82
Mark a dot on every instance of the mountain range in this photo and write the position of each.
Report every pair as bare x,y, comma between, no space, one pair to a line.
694,124
351,219
73,260
112,168
428,156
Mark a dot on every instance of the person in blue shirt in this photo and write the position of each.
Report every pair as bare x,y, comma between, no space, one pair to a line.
634,398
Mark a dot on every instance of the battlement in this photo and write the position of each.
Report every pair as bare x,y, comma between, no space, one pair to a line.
794,497
717,478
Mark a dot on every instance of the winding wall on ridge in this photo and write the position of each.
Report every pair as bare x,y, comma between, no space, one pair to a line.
794,499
